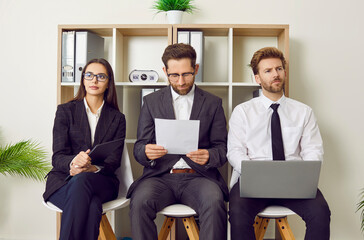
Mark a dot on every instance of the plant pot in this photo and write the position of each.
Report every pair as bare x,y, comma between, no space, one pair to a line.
174,16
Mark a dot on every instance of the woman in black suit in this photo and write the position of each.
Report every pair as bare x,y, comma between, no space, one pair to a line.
77,184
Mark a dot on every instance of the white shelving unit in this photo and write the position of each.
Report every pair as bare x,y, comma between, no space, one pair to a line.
228,49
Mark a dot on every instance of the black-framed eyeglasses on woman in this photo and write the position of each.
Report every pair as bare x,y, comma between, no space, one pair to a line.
101,77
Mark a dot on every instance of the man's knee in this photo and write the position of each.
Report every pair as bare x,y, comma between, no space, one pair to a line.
320,215
140,204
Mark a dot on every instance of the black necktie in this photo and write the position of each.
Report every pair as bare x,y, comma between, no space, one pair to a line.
277,142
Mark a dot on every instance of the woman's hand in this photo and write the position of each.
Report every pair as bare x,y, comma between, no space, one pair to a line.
82,163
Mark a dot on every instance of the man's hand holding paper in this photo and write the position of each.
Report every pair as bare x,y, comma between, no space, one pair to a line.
201,156
154,151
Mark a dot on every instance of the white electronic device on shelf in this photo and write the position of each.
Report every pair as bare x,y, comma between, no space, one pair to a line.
143,76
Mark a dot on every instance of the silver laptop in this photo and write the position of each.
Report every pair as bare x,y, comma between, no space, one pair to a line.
279,179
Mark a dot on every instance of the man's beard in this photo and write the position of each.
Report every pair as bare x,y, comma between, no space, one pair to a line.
184,91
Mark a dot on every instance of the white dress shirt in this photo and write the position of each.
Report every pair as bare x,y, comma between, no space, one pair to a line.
250,135
182,105
93,118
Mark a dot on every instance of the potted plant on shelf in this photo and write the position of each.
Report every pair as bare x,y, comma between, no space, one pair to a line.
174,9
24,158
361,208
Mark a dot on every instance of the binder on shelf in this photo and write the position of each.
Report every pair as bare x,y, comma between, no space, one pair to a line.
88,46
183,37
68,56
196,40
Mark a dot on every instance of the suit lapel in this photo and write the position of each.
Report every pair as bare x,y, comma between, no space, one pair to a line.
81,118
167,102
106,118
198,101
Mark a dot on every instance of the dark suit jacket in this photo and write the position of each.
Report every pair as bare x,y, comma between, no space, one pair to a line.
213,135
72,134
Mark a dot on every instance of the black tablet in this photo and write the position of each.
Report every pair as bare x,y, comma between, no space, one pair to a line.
102,150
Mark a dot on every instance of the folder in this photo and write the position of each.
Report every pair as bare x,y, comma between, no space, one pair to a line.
103,150
68,56
88,46
183,37
196,40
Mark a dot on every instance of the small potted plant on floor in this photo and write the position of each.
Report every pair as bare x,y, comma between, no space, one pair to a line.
174,9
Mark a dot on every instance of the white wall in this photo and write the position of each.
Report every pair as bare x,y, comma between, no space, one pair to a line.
326,49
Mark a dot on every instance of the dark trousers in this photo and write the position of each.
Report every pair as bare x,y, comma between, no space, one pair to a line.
192,189
242,211
81,202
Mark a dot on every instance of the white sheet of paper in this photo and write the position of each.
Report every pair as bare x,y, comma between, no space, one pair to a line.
177,136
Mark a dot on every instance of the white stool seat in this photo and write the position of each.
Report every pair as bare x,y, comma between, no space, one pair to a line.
106,207
178,210
276,212
171,213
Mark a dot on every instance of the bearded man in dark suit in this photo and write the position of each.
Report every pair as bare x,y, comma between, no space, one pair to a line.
192,179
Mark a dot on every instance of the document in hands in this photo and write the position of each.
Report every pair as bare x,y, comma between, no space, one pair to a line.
177,136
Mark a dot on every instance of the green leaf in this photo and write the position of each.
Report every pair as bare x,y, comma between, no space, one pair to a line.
360,207
167,5
25,159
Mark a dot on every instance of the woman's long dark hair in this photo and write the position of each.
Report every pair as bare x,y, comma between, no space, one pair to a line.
109,94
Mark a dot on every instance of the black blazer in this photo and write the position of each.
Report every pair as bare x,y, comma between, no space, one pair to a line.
72,134
213,135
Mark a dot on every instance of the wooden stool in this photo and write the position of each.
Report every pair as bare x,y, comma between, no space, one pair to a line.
280,215
179,211
106,232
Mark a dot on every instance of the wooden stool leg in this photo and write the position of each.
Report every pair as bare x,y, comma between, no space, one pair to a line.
260,227
106,232
284,229
191,228
58,222
257,223
166,228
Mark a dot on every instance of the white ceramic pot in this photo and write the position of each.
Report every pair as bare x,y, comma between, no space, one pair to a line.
174,16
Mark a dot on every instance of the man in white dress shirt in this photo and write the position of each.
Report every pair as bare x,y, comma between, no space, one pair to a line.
249,138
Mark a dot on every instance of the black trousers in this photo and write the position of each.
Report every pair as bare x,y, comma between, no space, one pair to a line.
192,189
81,201
242,211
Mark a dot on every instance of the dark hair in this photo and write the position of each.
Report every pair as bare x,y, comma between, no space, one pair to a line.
179,51
267,52
109,94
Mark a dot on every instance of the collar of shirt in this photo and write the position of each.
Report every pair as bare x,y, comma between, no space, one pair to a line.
189,95
267,102
88,110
